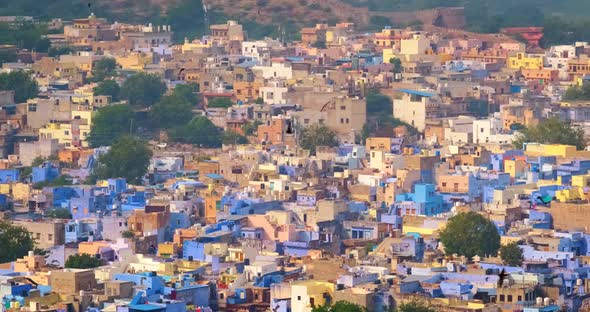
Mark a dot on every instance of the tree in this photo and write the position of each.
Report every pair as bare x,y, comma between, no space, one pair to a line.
23,85
220,102
58,213
386,122
57,51
128,158
103,68
551,131
340,306
511,254
108,87
127,234
143,90
199,131
171,111
59,181
251,127
15,240
317,135
319,44
188,92
110,123
82,261
259,101
415,306
378,104
231,137
470,234
38,161
397,65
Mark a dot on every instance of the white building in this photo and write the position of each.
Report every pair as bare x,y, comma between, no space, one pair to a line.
415,107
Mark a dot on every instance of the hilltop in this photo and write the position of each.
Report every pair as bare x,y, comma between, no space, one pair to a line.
273,17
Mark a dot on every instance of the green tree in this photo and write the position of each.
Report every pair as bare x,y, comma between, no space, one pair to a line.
143,90
7,57
317,135
59,181
82,261
57,51
378,104
259,101
415,306
38,161
103,68
58,213
251,127
188,92
110,123
551,131
220,102
470,234
199,131
171,111
128,158
15,242
108,87
397,65
23,85
340,306
127,234
511,254
319,44
231,137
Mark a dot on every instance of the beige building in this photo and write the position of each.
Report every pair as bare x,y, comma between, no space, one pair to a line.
46,233
415,107
72,281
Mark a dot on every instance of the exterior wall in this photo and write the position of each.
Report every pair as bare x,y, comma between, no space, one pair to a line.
72,281
411,111
522,61
306,294
570,216
47,234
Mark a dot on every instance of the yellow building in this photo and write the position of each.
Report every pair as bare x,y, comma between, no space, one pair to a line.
388,54
167,249
516,167
575,193
73,133
578,180
308,294
524,61
195,45
559,150
134,60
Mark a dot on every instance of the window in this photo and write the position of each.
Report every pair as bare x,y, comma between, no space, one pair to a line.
299,298
444,184
519,298
341,120
50,237
306,121
38,235
343,107
501,298
509,298
66,132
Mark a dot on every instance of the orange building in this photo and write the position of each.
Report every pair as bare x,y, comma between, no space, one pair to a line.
247,91
543,75
149,220
212,203
278,131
